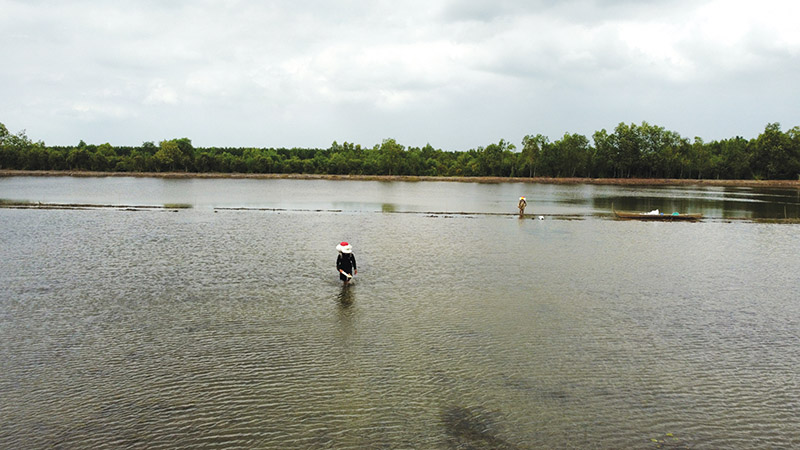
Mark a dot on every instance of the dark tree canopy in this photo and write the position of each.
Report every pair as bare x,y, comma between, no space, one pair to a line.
630,150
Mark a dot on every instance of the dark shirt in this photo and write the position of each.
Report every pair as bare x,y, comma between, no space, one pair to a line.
346,262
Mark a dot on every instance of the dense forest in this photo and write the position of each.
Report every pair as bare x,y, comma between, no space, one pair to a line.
631,150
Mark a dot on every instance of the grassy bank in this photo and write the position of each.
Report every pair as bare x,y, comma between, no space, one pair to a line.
540,180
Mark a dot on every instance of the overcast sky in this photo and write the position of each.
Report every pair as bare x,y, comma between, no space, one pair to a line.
455,74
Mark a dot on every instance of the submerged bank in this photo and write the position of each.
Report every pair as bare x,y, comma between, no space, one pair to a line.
303,176
10,204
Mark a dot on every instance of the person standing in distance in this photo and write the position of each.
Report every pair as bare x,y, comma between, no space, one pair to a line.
521,205
346,262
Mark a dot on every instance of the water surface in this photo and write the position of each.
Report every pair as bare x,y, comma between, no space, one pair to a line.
229,328
393,196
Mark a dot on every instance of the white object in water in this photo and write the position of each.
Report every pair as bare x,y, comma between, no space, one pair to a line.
541,217
654,212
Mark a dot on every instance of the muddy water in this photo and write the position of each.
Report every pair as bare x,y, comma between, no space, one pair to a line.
372,196
226,328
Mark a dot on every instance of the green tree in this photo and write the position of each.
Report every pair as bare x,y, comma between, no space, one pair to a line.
531,151
17,151
415,163
665,147
255,160
773,154
106,150
103,158
492,159
187,153
293,165
169,156
602,165
320,161
733,158
172,155
148,147
57,160
627,143
793,166
570,155
98,162
391,157
36,157
337,164
79,159
701,160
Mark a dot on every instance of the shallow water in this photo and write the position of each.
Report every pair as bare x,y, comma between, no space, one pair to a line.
383,196
223,328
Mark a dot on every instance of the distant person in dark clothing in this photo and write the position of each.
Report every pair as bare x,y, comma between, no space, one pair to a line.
346,262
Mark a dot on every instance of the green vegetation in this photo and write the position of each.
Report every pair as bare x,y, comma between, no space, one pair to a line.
631,150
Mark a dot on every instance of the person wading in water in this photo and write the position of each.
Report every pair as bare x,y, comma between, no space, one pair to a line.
346,262
521,205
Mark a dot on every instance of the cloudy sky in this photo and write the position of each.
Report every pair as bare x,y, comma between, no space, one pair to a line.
455,74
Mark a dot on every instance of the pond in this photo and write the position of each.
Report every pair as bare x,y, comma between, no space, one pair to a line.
392,196
216,326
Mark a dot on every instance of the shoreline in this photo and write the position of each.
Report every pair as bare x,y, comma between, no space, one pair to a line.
413,178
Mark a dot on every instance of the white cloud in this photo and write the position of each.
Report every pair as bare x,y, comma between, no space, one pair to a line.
160,93
457,74
89,111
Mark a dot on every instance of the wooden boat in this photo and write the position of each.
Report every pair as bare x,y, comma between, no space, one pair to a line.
655,215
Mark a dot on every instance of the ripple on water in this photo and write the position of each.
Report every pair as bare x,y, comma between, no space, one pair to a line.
202,329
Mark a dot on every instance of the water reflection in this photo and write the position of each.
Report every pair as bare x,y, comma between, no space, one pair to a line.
715,202
422,196
345,315
345,296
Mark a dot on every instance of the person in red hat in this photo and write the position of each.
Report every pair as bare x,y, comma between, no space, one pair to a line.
346,262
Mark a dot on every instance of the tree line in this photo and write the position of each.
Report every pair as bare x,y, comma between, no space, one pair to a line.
629,151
